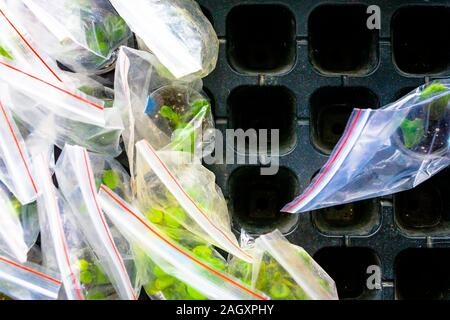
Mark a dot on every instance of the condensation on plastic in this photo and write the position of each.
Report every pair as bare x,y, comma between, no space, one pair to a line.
83,35
77,183
15,160
139,76
194,190
168,255
307,274
27,281
20,51
385,151
176,31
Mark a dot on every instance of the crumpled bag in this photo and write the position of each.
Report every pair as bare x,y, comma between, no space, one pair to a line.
27,281
63,115
83,35
385,151
19,227
76,179
64,248
283,271
183,192
172,115
185,268
176,31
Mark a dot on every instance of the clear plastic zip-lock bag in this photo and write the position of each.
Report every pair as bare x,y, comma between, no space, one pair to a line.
176,31
76,180
385,151
82,35
169,183
27,281
170,261
64,245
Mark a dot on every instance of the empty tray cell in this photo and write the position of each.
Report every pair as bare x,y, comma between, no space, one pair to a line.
265,107
339,40
261,39
423,274
425,210
420,39
331,108
349,269
358,218
256,200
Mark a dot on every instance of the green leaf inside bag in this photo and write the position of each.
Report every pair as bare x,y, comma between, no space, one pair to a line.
413,131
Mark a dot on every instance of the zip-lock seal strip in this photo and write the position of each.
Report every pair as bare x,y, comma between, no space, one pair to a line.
354,129
27,269
90,177
73,95
27,43
163,238
188,204
19,148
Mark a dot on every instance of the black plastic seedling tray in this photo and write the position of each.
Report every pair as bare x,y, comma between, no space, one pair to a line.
300,67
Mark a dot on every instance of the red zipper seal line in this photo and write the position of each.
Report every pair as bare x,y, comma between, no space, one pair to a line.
192,201
329,165
16,141
30,46
91,187
37,273
53,86
163,238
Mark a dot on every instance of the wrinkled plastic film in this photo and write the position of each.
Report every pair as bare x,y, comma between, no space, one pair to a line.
60,128
15,165
57,99
156,108
385,151
214,224
179,34
211,283
17,48
27,281
310,277
12,237
84,36
53,236
76,180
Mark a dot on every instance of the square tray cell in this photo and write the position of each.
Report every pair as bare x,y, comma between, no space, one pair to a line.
348,267
423,274
425,210
256,200
339,40
420,39
359,218
261,39
265,107
330,109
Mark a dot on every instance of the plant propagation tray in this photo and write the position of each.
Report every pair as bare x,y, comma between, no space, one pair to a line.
301,67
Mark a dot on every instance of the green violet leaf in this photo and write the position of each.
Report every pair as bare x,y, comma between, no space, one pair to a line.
413,131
